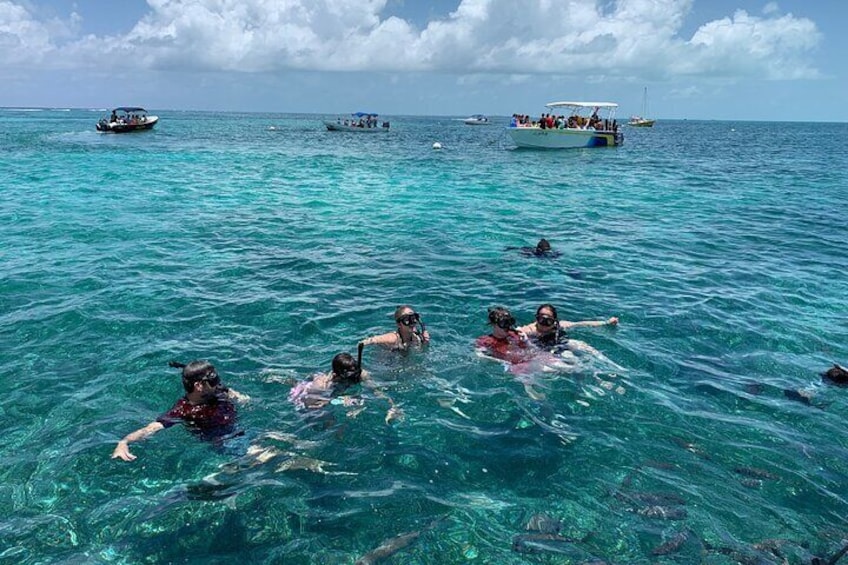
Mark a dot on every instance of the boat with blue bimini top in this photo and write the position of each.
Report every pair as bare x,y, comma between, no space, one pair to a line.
582,126
358,122
125,119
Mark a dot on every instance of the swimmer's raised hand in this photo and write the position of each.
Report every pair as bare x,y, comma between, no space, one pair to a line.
237,396
393,414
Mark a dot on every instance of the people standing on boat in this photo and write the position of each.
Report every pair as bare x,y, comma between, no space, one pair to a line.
206,409
410,332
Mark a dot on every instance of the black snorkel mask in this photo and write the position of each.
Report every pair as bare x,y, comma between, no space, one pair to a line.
413,321
353,376
210,376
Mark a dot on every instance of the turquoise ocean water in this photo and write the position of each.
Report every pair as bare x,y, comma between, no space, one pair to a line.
719,245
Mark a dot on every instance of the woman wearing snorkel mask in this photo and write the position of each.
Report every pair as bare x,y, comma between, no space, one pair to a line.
504,343
410,332
548,330
323,389
206,409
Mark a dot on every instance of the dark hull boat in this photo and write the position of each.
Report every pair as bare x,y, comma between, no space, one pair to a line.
127,119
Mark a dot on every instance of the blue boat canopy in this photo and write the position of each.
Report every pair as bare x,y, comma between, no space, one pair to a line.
363,114
130,109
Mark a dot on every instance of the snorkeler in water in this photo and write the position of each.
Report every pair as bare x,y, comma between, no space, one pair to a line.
504,343
549,331
542,250
837,375
410,332
206,409
330,388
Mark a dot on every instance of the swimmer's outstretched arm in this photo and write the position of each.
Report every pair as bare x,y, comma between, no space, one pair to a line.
387,339
122,450
233,394
527,331
589,323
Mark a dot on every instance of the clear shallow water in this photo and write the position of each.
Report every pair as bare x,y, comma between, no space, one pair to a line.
719,245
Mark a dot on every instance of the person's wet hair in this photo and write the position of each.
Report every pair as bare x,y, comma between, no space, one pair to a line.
837,375
346,370
543,246
547,307
401,310
502,318
197,371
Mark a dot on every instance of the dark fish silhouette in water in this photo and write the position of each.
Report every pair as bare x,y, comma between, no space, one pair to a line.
755,473
836,375
754,388
833,559
798,396
673,544
774,551
545,537
536,543
391,546
804,397
650,498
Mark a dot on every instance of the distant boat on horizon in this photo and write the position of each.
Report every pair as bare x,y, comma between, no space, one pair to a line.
476,120
642,121
359,122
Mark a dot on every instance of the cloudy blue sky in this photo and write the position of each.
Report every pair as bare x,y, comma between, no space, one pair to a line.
700,59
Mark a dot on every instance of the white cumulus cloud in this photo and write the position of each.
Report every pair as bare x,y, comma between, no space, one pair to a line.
585,38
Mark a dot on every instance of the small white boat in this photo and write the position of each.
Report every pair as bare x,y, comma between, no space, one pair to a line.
476,120
640,121
126,119
582,127
358,122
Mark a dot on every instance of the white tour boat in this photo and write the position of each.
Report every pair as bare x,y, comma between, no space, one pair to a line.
579,125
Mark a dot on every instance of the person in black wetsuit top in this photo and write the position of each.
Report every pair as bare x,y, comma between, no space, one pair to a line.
206,409
549,331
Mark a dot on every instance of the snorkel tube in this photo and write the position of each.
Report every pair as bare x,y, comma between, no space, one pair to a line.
359,349
420,328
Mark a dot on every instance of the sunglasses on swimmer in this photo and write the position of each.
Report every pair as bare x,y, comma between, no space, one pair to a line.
408,319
